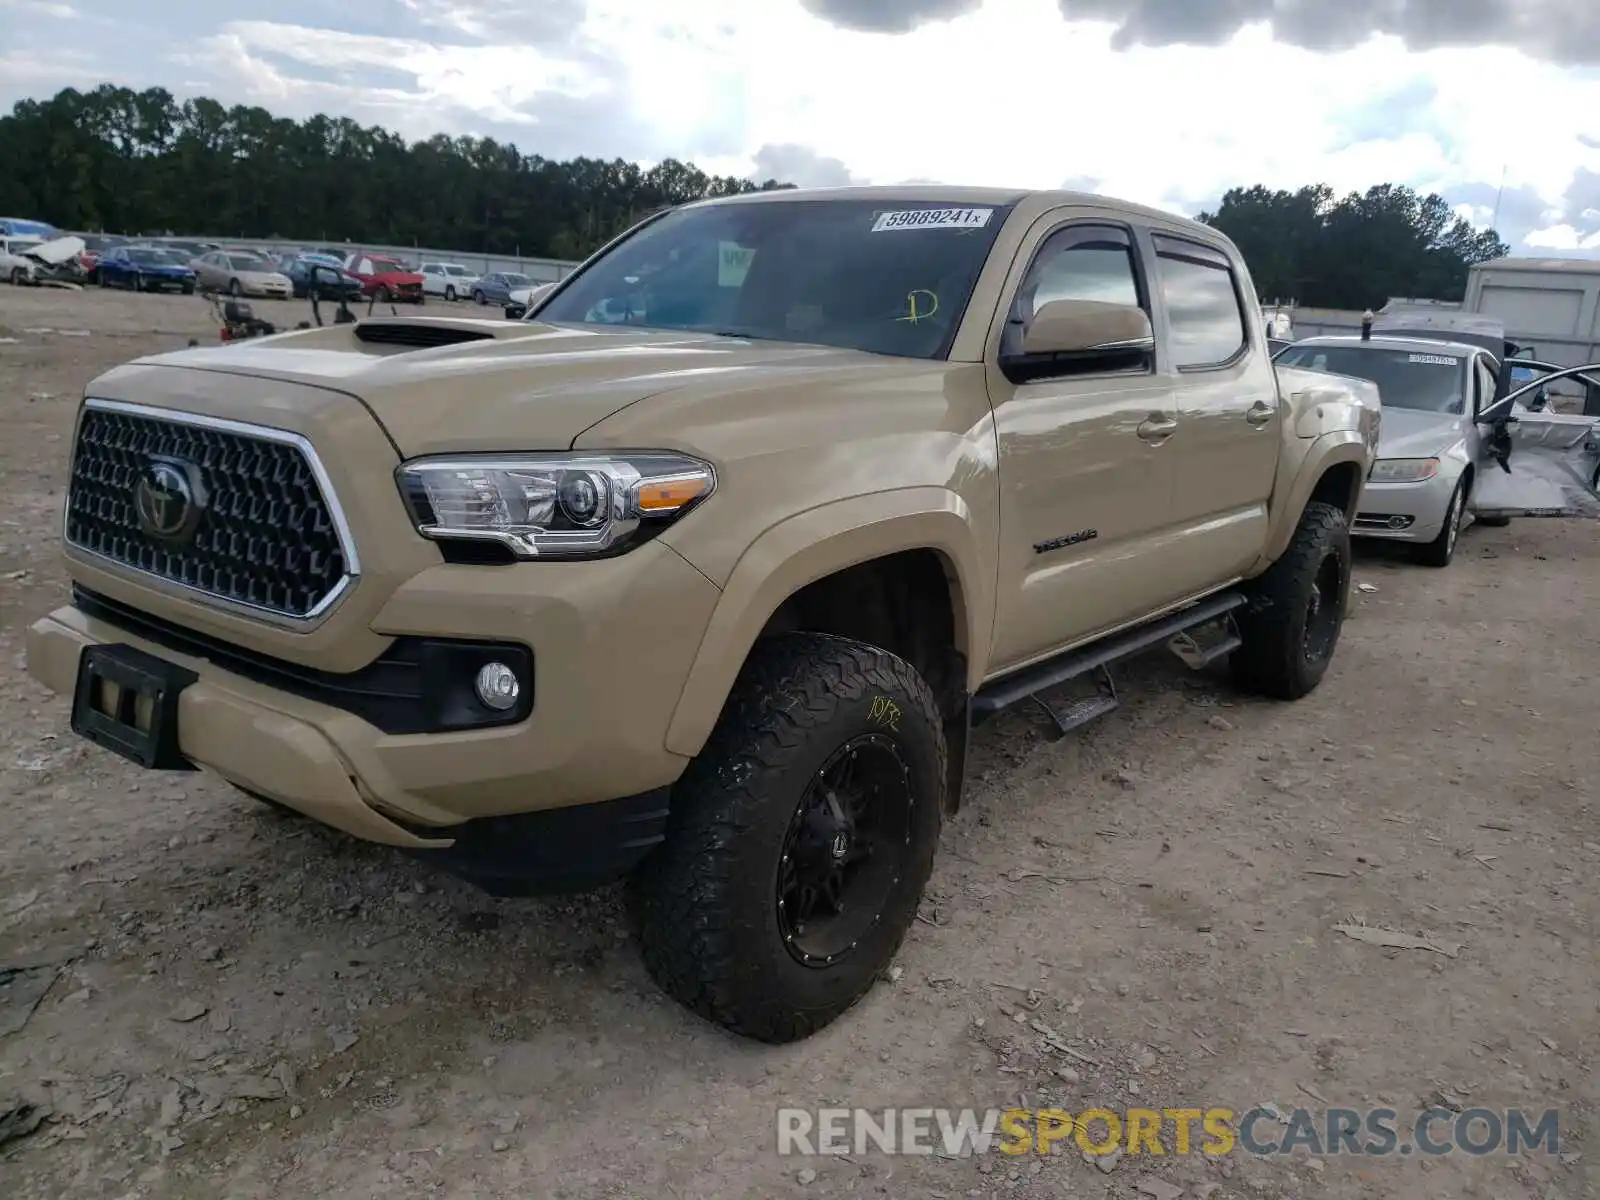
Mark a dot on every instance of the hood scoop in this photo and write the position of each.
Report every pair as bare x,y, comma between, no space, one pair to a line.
417,335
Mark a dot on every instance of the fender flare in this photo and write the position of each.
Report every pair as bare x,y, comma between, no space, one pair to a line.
1329,450
813,545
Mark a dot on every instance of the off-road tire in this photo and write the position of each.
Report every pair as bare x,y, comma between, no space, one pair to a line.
705,903
1441,552
1275,659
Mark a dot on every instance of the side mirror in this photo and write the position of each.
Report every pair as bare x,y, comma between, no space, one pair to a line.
1074,336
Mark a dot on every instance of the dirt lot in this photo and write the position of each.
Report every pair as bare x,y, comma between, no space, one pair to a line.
246,1005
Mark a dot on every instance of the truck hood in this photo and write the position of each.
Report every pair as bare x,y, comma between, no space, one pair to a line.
1411,433
520,386
57,251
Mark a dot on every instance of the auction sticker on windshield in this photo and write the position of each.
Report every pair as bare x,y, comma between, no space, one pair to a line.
1437,360
932,218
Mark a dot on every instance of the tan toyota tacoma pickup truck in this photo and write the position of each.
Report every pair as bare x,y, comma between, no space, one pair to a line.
703,572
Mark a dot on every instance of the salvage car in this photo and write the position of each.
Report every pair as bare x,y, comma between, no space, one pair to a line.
523,300
15,265
449,281
240,274
52,263
498,287
94,245
702,577
145,269
1447,429
386,279
333,283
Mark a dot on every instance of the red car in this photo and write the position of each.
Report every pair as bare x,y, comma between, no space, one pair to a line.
385,278
95,245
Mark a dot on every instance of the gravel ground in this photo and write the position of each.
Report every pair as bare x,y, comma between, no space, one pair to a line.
243,1004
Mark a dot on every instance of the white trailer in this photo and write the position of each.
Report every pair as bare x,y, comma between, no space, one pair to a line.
1552,304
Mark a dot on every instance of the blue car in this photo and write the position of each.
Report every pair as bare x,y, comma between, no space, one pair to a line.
146,269
20,227
497,288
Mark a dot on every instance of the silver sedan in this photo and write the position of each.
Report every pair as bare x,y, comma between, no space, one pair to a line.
1456,445
1431,449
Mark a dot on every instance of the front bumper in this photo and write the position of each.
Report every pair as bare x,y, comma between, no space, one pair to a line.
1404,512
612,643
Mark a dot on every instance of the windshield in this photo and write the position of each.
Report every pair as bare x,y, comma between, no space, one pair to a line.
1424,381
860,274
512,279
452,269
176,258
155,258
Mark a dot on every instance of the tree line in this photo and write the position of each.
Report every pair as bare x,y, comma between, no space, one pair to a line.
141,162
1356,251
119,161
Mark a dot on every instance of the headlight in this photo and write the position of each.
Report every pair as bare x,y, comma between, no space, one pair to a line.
559,505
1404,470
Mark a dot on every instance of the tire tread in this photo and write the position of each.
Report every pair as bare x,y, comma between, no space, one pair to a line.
1270,660
789,692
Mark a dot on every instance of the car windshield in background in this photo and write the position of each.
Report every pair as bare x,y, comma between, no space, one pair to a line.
455,270
1416,379
859,274
153,258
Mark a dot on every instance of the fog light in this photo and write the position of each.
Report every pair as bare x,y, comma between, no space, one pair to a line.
497,686
1398,522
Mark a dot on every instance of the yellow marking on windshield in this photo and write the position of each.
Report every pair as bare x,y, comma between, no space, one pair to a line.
914,311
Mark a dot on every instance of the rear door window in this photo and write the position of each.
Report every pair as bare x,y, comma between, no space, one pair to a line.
1204,311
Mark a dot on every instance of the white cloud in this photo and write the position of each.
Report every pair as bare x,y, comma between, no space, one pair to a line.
1563,237
1008,93
41,8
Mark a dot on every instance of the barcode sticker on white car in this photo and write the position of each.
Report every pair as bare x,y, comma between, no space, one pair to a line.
1436,360
932,218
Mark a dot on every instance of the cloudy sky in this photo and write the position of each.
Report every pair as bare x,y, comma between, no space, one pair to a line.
1168,102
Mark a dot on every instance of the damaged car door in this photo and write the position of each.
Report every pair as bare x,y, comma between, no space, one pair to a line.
1536,462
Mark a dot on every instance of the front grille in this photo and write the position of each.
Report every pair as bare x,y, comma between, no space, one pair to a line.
266,537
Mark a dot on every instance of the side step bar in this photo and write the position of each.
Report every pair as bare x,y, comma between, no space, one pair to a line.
1073,664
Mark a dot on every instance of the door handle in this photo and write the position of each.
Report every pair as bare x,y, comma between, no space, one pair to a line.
1156,428
1259,413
